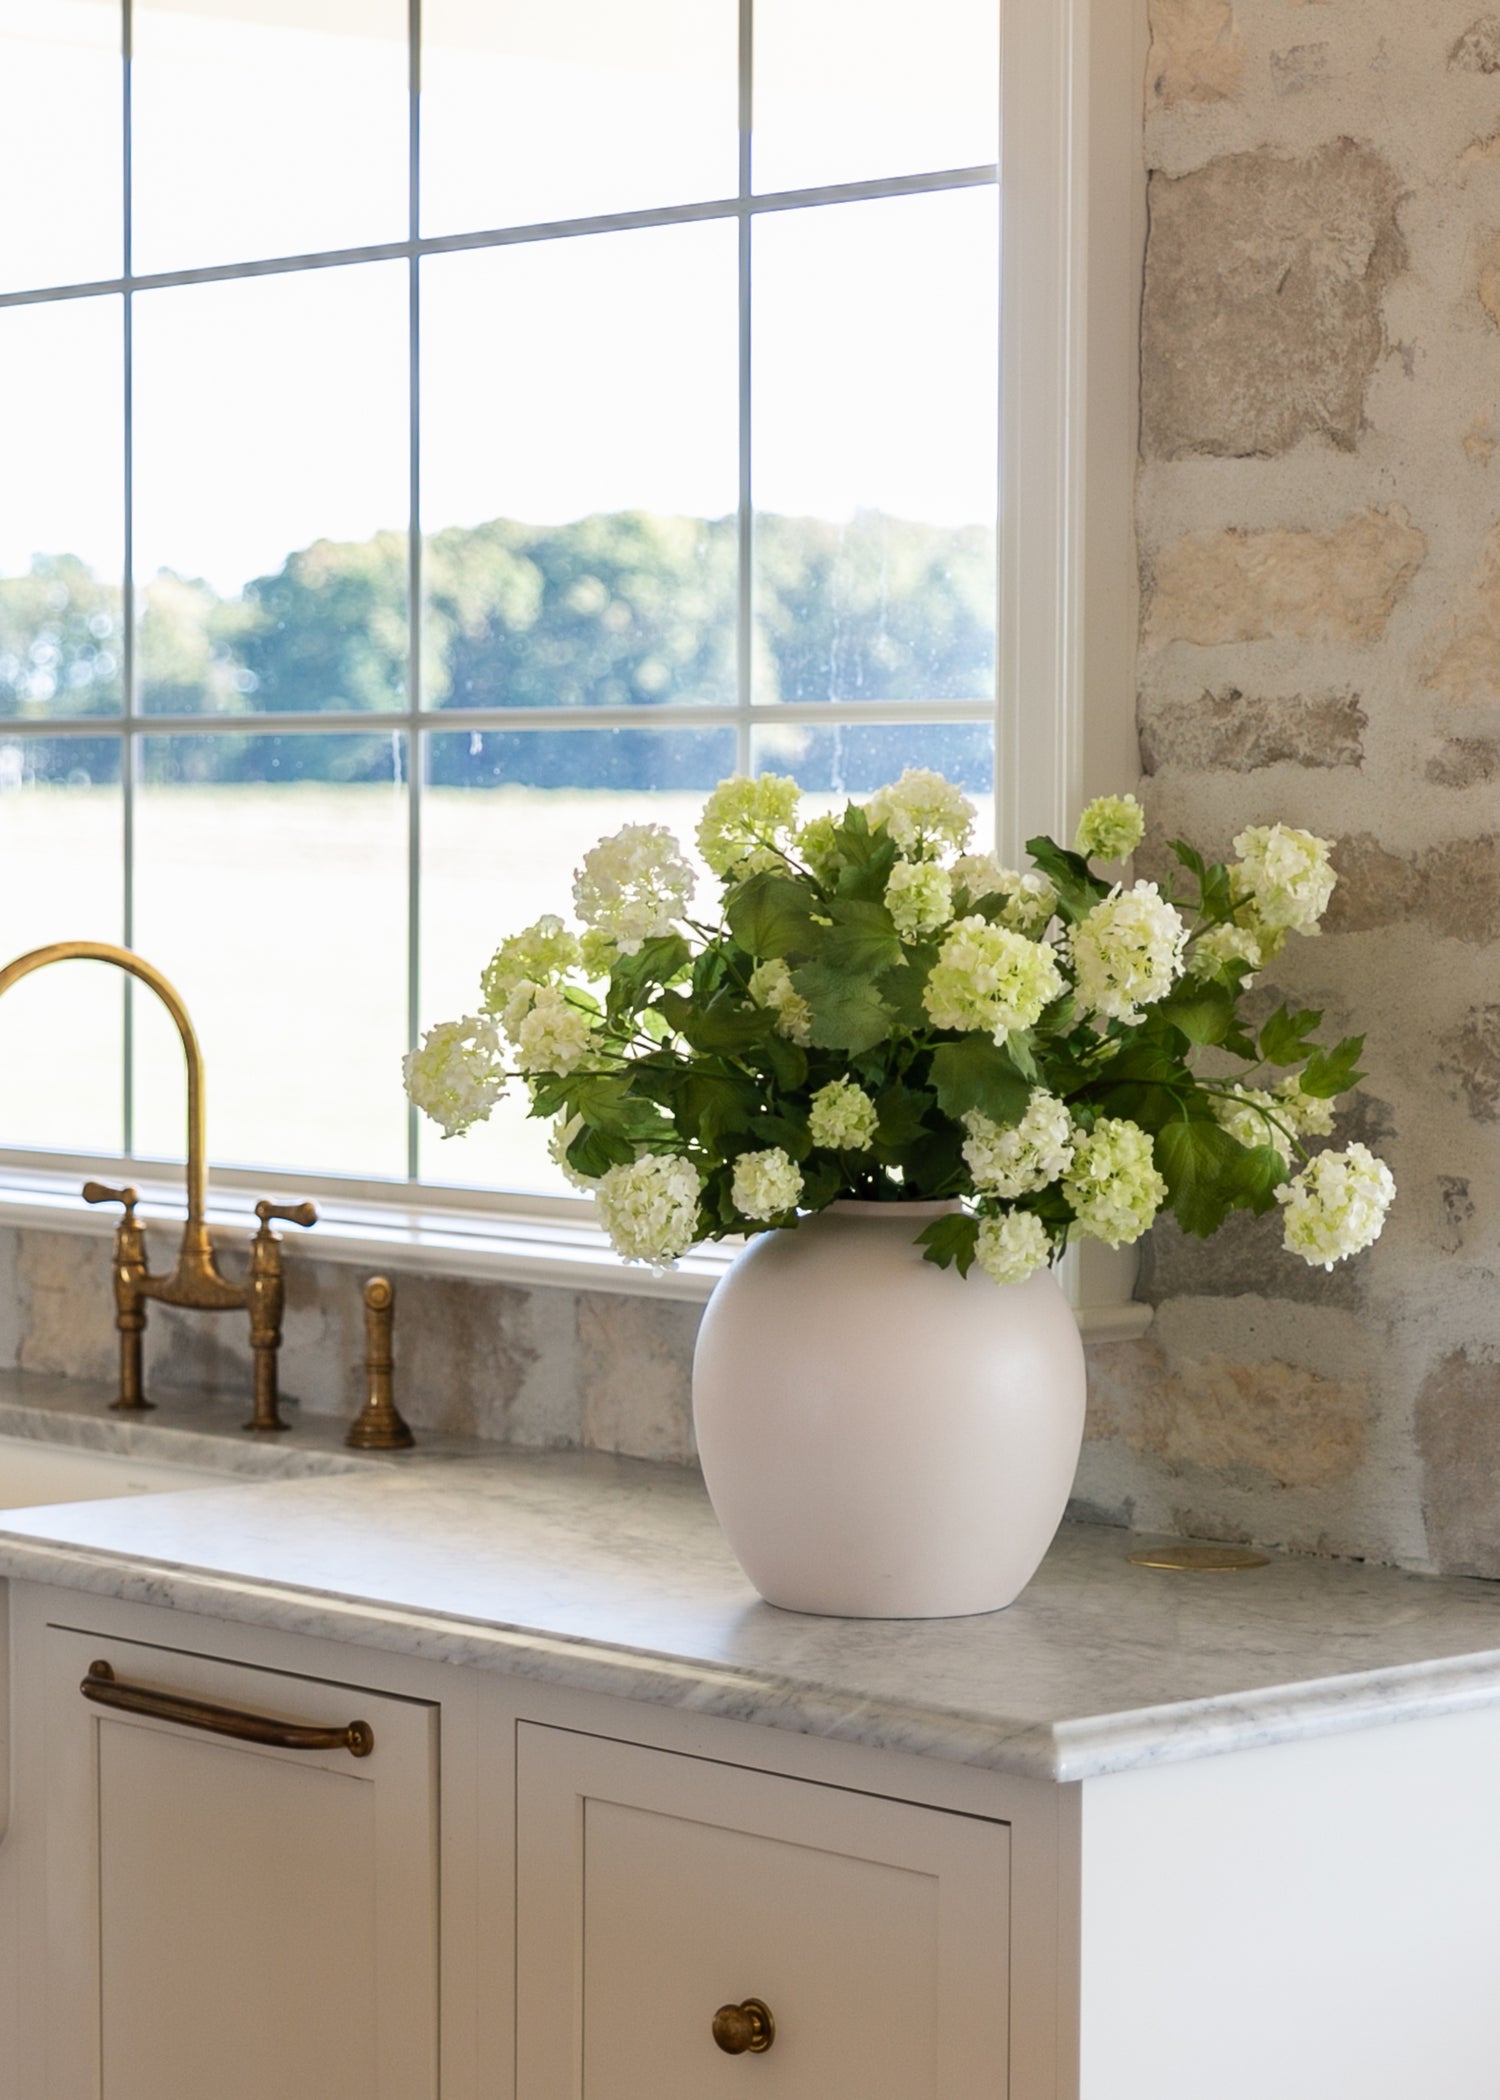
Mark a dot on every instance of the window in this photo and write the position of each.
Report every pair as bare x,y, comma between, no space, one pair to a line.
404,488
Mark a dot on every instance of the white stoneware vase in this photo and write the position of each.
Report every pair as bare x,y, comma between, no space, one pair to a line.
881,1438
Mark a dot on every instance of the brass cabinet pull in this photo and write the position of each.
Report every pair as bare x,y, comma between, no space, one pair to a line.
104,1688
745,2030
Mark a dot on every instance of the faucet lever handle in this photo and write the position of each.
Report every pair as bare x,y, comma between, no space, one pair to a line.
100,1192
287,1213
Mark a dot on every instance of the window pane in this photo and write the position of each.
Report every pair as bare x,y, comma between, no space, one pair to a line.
272,493
60,154
271,886
875,450
62,516
506,818
573,109
61,1035
846,90
267,127
593,445
855,758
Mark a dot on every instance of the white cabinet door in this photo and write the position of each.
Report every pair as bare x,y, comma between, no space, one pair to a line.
656,1888
229,1917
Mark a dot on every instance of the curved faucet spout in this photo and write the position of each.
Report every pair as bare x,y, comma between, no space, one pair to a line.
137,966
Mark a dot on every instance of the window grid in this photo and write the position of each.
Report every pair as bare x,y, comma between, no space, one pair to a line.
415,720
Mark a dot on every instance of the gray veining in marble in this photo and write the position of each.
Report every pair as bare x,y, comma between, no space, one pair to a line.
610,1574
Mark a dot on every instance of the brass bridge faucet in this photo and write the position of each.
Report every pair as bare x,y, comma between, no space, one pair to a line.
195,1281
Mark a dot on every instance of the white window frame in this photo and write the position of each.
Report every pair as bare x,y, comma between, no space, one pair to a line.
1073,231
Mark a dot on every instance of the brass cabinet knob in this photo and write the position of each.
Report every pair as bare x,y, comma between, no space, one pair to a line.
746,2029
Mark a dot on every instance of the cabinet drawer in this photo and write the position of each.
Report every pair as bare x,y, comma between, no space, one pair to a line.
655,1888
230,1916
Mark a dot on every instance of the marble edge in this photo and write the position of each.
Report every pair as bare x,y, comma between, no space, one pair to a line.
1065,1752
172,1443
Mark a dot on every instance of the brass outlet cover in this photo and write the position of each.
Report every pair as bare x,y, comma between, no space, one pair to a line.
1200,1560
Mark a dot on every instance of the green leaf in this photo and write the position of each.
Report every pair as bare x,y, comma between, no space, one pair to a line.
724,1024
862,937
1204,1012
975,1073
848,1012
1019,1050
1261,1172
950,1242
1190,857
1283,1039
902,987
788,1062
1330,1072
1078,889
772,915
656,962
1201,1165
900,1113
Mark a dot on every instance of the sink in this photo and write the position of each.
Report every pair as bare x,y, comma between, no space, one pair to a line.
32,1474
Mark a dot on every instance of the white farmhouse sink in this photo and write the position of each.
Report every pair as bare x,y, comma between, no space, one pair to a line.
32,1474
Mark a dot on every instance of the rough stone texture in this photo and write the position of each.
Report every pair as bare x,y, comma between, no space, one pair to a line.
1464,761
1489,279
1244,1258
1466,643
1239,733
1470,1059
1303,66
1275,1419
1458,1435
635,1370
1452,887
1197,54
1262,318
1455,1212
1478,49
1233,585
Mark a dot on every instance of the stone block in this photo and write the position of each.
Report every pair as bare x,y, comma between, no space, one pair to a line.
1458,1438
636,1374
1478,49
1453,887
1256,1422
1262,317
1245,1258
1465,651
1464,761
1304,66
1231,585
1471,1060
1197,54
1235,732
1455,1212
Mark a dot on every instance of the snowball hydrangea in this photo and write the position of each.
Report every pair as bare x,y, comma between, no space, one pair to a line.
1254,1117
1030,900
551,1035
634,885
919,897
1027,1156
771,985
1011,1248
745,821
1224,944
924,813
1336,1206
539,954
842,1117
1110,828
1288,875
1308,1115
765,1184
456,1076
1127,952
1113,1184
650,1208
987,977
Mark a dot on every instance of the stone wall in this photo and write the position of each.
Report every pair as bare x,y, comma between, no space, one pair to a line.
1319,520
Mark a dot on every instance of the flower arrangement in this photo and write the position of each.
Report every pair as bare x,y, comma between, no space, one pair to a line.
882,1013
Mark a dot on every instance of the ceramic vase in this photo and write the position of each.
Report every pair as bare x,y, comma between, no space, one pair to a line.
882,1438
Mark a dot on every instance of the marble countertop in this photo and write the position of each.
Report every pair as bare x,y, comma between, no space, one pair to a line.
611,1575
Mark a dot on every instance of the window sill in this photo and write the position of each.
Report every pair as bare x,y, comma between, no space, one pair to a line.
426,1239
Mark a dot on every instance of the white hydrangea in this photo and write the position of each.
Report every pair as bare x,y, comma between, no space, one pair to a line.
1113,1184
818,844
564,1130
842,1117
1128,952
597,955
1011,1248
988,977
1110,828
924,813
650,1208
539,954
766,1183
1288,875
1310,1115
1030,900
1027,1156
744,817
1254,1117
771,985
1227,943
634,885
456,1077
552,1035
919,897
1336,1206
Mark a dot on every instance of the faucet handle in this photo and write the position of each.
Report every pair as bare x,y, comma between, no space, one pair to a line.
287,1213
99,1192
